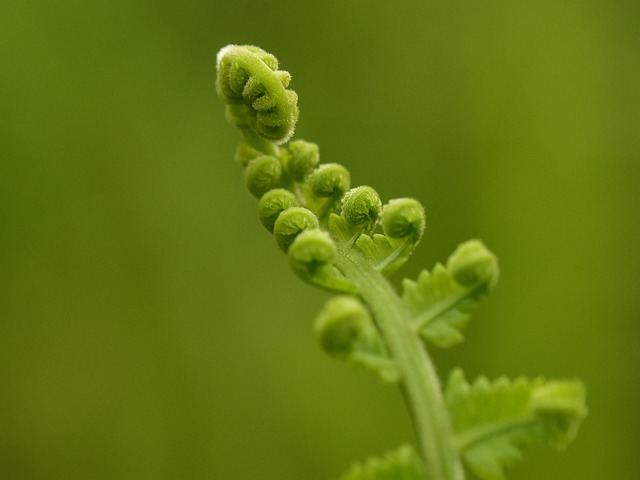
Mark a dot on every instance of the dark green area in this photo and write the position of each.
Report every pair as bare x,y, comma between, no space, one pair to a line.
150,328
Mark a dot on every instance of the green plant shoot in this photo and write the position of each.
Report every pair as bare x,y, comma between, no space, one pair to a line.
346,240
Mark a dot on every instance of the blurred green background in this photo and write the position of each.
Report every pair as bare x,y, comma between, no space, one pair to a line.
151,329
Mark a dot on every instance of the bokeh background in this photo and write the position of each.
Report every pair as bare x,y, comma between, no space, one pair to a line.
151,329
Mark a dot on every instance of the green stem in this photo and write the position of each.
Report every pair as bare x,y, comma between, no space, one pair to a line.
265,146
420,384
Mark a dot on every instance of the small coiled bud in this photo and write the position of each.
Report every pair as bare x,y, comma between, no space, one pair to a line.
561,405
256,92
341,324
262,174
291,223
311,256
361,205
303,158
272,204
473,263
403,217
329,180
311,249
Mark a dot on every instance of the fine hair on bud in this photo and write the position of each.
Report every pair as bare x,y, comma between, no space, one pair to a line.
290,223
303,158
272,204
329,180
361,205
262,174
473,263
341,324
256,92
403,217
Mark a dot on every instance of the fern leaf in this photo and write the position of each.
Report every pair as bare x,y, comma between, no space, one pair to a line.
387,254
495,422
343,232
402,464
440,305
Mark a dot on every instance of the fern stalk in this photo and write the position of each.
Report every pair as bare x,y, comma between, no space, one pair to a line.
419,383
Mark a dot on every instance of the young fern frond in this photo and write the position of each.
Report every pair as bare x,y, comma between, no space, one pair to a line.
344,240
495,422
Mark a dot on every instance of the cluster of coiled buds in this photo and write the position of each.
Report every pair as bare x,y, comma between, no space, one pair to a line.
309,207
313,213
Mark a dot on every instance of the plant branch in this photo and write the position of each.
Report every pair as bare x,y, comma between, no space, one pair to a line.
420,384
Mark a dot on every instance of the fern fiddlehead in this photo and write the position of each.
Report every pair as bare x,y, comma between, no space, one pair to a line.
256,92
345,240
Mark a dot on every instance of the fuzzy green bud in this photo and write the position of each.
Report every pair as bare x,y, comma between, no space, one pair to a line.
290,223
340,325
262,174
272,204
311,256
473,263
361,205
310,250
303,158
329,180
403,217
